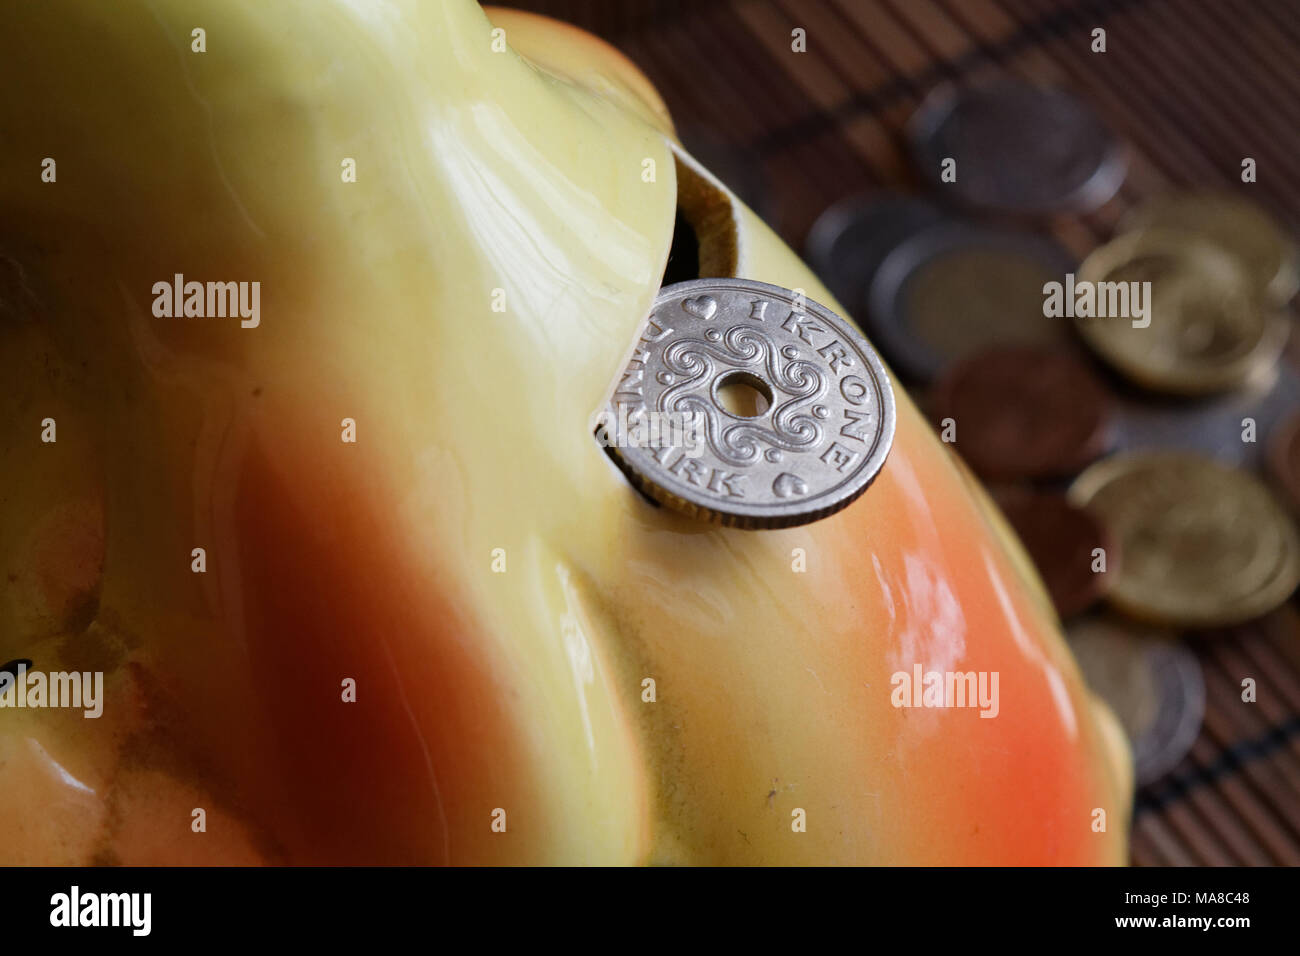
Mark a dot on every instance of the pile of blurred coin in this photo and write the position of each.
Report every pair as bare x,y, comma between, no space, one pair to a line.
1142,439
1217,270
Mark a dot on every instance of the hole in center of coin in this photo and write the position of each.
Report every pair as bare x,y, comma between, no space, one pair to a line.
743,395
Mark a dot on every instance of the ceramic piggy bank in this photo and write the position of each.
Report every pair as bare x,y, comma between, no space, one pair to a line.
309,554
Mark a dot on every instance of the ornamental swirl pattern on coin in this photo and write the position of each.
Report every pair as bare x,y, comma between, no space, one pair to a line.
815,436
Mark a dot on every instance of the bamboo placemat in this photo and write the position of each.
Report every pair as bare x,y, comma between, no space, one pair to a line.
1193,86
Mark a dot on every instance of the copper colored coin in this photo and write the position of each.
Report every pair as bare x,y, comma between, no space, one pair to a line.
1062,540
1023,412
1284,459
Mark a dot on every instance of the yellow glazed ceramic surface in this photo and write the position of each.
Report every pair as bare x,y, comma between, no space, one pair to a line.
472,561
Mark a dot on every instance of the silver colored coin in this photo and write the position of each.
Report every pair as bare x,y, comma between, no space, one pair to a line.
851,238
748,405
1019,148
1211,426
1181,689
1151,681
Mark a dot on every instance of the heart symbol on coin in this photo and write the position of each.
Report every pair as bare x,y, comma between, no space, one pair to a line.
787,484
702,306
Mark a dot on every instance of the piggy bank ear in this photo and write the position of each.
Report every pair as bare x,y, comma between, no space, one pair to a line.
709,224
576,56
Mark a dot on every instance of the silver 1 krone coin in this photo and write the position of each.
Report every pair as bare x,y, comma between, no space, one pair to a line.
749,405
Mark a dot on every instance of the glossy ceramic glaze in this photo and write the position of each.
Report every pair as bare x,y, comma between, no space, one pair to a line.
521,171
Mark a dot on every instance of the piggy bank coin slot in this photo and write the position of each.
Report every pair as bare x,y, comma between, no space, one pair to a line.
710,212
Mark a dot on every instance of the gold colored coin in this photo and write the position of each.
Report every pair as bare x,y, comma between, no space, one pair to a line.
1204,545
1201,328
975,297
1237,226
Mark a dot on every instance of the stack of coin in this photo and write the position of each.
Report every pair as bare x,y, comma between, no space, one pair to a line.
1217,268
1153,683
931,288
1204,545
1203,327
850,240
955,289
1023,412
